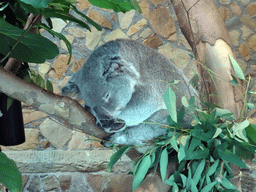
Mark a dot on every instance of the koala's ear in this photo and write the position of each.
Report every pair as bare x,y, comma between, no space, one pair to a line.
120,65
70,88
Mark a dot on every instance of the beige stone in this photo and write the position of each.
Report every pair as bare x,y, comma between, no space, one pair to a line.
60,65
113,17
251,9
225,2
49,183
58,24
70,38
162,22
79,141
145,33
191,70
55,133
78,65
235,8
93,38
180,57
242,64
246,32
30,116
116,34
145,8
64,81
234,36
183,41
45,144
100,19
43,68
95,142
173,37
156,2
83,4
136,27
56,89
244,51
153,41
125,19
31,142
66,160
76,32
252,42
224,13
248,21
245,2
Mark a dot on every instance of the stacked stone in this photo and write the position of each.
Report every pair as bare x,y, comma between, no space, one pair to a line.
55,158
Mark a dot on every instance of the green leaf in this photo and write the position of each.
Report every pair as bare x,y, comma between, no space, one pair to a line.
49,86
193,186
117,5
163,163
199,172
237,69
228,156
251,133
47,12
37,3
208,187
61,37
181,153
184,180
40,81
32,48
96,25
226,183
117,155
184,102
170,102
213,168
239,130
141,171
9,174
250,105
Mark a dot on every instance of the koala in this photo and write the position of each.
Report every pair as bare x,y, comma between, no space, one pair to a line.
122,84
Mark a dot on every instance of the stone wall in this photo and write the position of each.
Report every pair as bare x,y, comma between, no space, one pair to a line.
55,158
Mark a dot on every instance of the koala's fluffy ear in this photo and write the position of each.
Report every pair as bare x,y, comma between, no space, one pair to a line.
71,89
119,65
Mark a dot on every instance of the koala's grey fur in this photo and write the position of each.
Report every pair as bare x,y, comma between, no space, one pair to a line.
121,80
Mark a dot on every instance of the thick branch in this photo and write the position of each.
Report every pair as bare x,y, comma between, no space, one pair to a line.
59,106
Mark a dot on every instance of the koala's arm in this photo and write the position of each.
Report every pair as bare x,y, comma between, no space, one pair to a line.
142,133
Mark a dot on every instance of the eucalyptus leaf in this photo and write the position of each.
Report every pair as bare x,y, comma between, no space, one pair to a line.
251,133
237,68
199,171
209,186
213,168
117,5
9,174
226,183
228,156
181,153
117,155
170,102
37,3
163,163
49,86
141,171
31,48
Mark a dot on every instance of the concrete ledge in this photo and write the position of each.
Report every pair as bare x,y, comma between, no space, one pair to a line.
66,161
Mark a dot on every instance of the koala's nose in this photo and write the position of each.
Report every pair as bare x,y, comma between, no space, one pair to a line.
112,125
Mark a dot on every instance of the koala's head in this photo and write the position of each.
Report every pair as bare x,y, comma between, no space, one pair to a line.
106,83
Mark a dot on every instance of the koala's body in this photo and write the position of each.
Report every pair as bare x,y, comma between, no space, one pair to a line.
122,84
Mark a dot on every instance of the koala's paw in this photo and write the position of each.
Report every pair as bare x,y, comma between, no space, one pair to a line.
115,139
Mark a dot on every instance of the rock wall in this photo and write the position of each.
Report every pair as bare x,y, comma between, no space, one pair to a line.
55,158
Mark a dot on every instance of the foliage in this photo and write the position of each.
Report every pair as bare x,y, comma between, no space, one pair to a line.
204,153
9,174
27,47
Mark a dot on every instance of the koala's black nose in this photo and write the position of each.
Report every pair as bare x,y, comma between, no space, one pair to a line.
112,125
